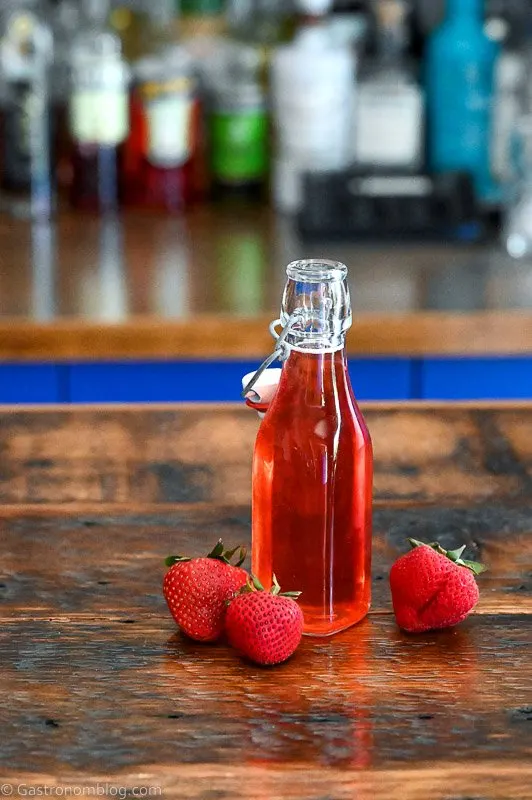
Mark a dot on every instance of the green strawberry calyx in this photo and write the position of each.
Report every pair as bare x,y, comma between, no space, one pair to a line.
254,585
454,555
218,553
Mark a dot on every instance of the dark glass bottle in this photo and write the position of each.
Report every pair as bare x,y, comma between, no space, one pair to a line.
26,56
98,111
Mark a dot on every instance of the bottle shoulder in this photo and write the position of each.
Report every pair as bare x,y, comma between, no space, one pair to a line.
287,419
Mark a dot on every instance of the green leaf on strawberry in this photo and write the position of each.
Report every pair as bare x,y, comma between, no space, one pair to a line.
454,555
218,553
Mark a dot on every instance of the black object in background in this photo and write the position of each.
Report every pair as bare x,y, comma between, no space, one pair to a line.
357,205
26,135
16,138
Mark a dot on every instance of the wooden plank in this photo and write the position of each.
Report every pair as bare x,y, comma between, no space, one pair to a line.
481,780
128,698
86,562
98,686
427,333
203,454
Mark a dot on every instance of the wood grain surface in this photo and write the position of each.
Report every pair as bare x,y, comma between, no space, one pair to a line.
99,689
175,454
214,336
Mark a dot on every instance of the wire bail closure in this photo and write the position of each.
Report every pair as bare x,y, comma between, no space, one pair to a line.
280,352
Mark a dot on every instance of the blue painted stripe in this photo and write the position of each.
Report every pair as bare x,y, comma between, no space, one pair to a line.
215,381
481,378
30,383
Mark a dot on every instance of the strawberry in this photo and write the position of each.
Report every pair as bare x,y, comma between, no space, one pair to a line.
265,627
433,588
197,590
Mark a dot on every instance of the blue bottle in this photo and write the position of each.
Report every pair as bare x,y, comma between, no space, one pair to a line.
460,75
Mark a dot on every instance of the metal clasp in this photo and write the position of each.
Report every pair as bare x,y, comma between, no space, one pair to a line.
280,353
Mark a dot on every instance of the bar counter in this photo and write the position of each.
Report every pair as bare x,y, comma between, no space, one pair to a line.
207,285
154,309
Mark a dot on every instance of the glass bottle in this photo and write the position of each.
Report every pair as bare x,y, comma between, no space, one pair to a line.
510,76
313,465
144,26
98,113
517,229
65,22
159,157
390,108
460,74
239,126
313,92
262,24
26,51
201,19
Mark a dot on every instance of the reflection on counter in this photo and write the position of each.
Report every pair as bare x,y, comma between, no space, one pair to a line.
171,289
43,273
212,262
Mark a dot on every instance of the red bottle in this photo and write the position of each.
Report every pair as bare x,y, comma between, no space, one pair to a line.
313,465
160,158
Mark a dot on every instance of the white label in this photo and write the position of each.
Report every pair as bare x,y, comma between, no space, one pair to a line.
318,131
389,128
169,119
99,116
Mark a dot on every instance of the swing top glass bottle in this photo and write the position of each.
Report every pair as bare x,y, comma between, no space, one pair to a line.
313,466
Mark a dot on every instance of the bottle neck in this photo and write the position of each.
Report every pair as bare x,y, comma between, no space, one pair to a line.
316,344
392,37
465,10
316,307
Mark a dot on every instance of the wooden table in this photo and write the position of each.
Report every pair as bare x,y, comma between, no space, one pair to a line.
98,687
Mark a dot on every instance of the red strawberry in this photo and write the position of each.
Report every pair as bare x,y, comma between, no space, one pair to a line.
197,591
265,627
433,588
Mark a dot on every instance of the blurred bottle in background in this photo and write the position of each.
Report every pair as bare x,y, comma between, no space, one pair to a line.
158,168
26,54
131,21
239,126
66,18
144,26
264,24
517,231
390,108
200,19
510,75
98,110
460,72
313,93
